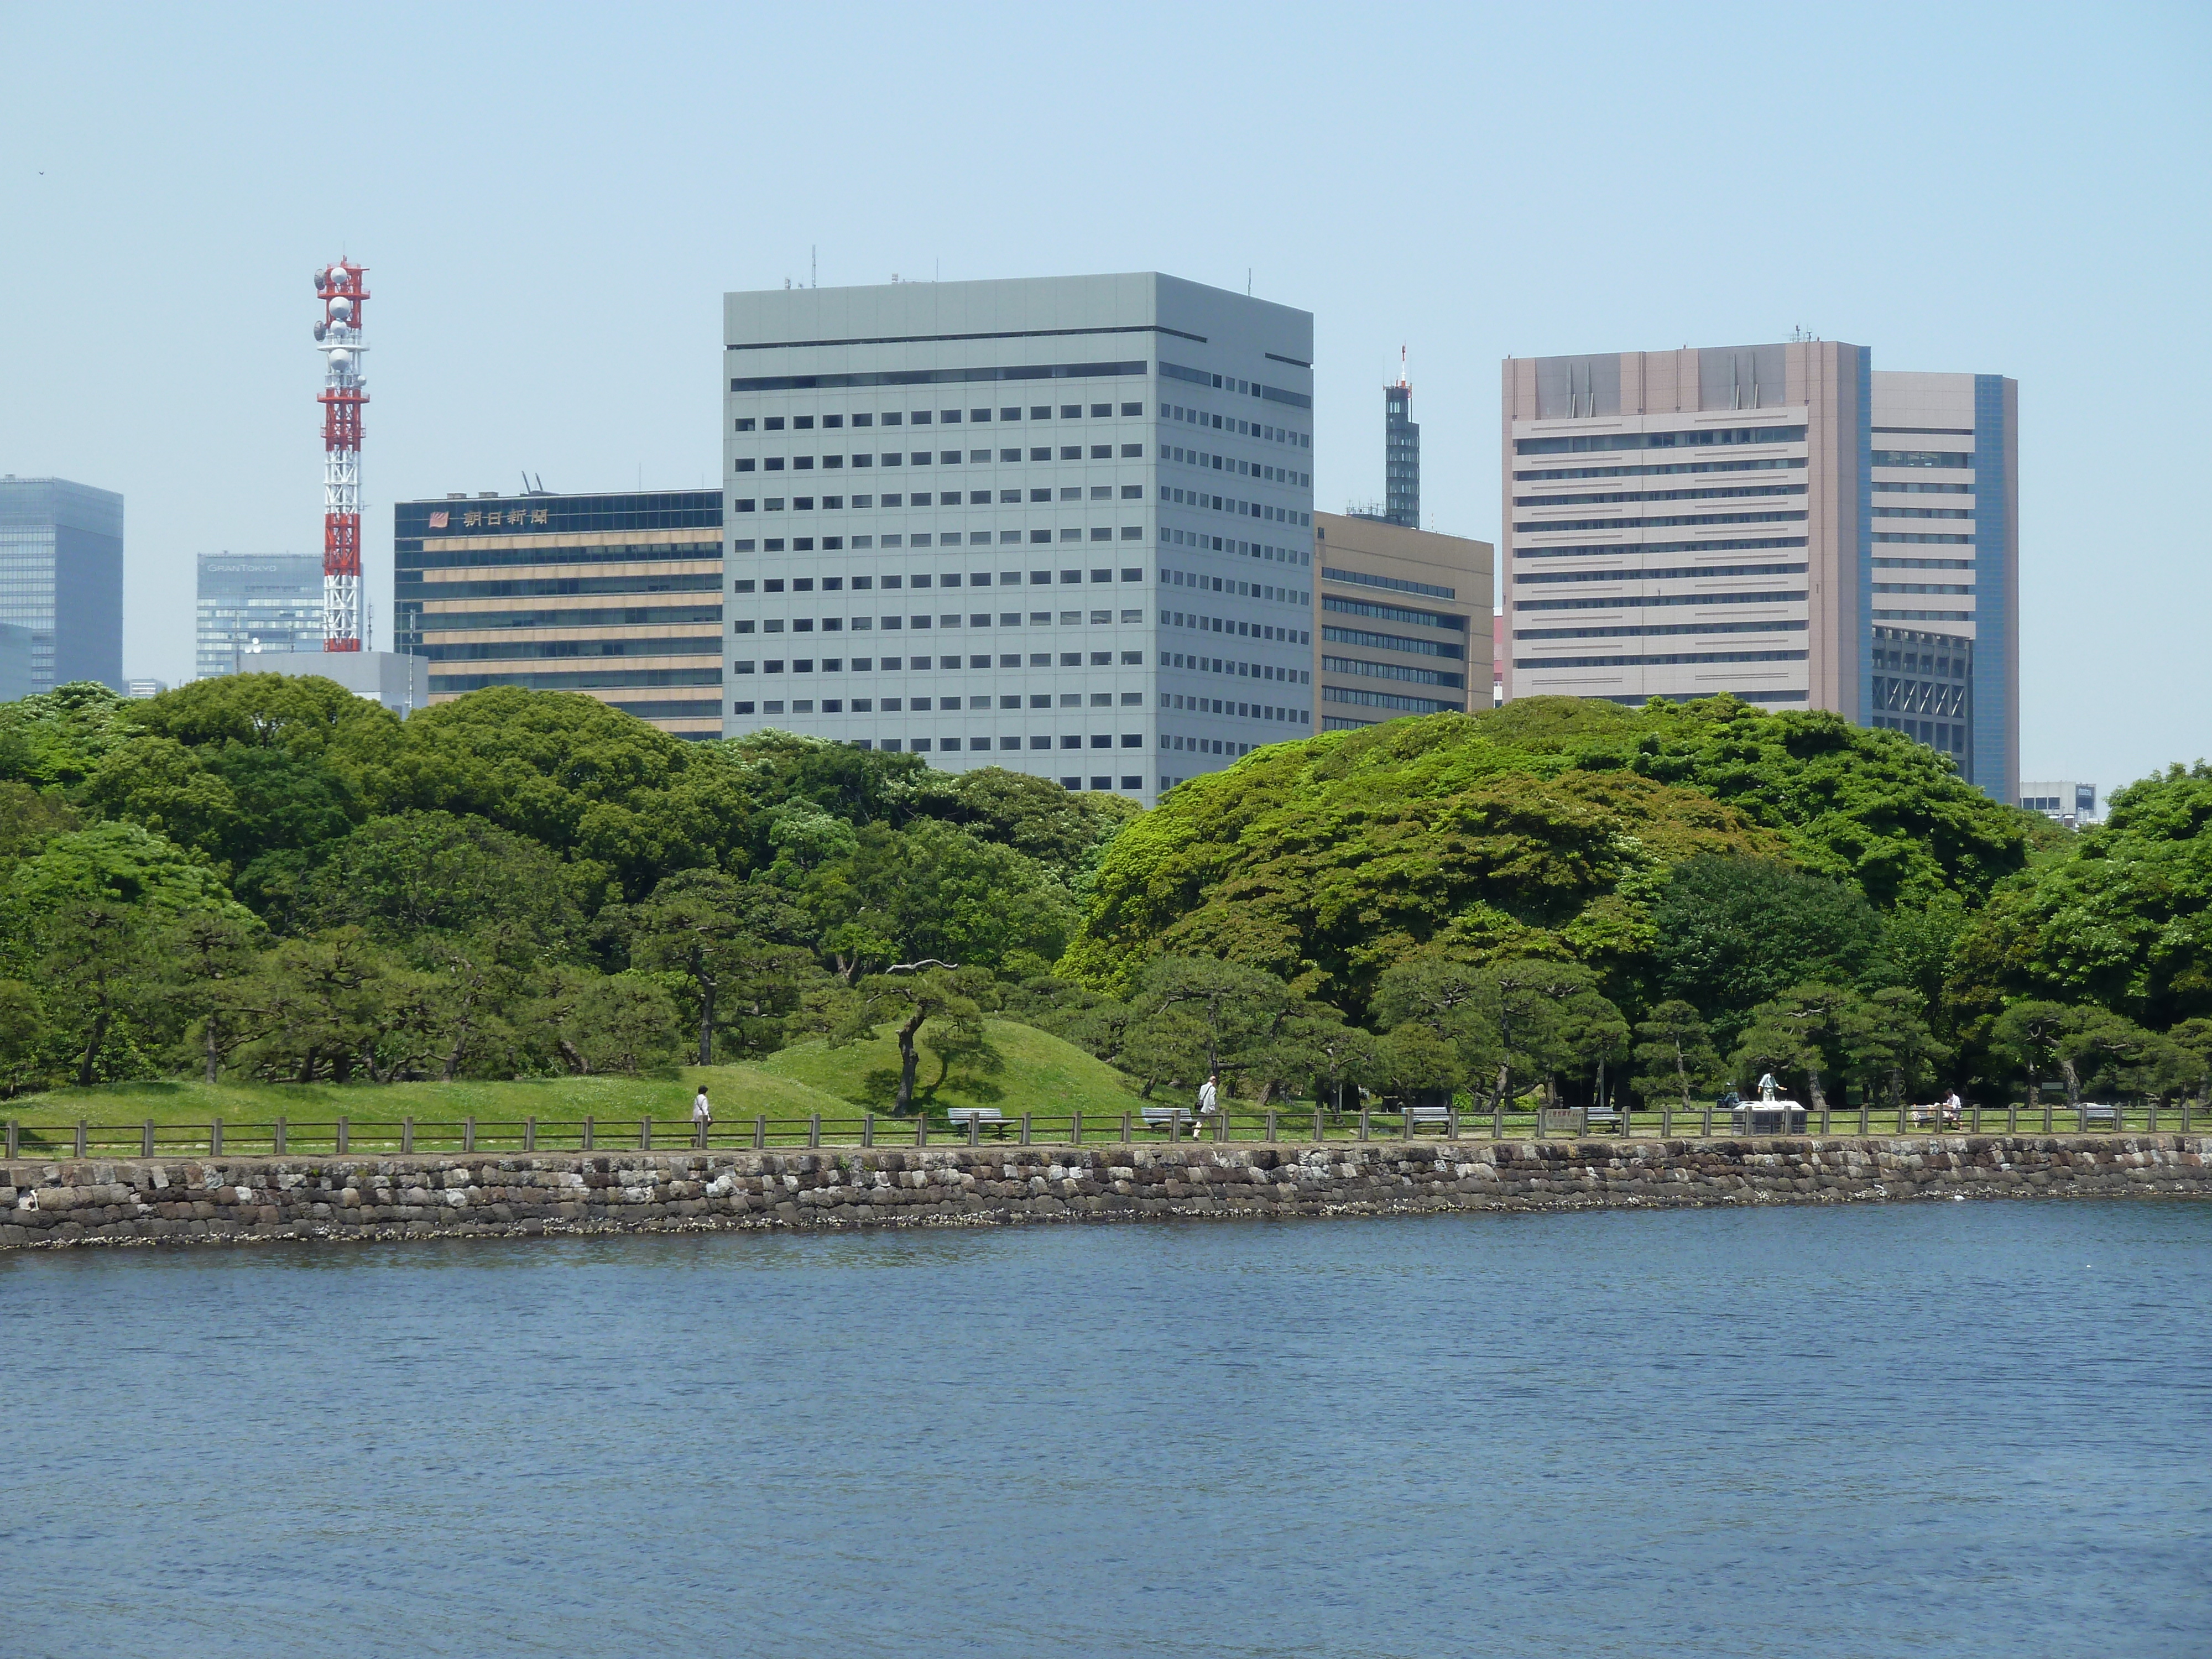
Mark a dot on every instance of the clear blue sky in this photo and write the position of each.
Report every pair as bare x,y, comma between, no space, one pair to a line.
552,200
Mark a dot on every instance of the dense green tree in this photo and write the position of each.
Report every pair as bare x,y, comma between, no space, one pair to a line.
209,957
411,874
29,818
97,972
1063,829
58,737
736,946
1441,1018
598,1024
2026,1037
1674,1054
1236,1011
22,1037
1731,933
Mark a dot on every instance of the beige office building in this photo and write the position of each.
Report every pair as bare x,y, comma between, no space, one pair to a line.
1777,521
1401,621
616,597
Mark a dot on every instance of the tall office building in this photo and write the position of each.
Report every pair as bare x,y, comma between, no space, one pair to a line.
1402,457
1402,621
1778,521
251,603
1062,525
14,662
61,578
618,596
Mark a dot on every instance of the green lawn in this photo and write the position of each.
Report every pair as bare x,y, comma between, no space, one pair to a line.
1031,1072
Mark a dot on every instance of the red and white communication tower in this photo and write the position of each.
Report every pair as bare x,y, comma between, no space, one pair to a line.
340,336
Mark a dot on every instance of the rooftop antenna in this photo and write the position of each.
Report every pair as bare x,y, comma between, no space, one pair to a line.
338,336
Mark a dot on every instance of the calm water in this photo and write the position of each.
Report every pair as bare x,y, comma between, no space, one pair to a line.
1956,1429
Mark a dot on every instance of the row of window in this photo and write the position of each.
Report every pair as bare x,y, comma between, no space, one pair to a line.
1603,441
1942,664
1923,564
1783,463
1951,458
941,498
1397,703
1936,734
941,416
1230,504
1360,636
1395,584
628,616
1397,613
952,705
1672,659
1097,532
1965,541
1208,461
1274,434
1632,602
892,665
1919,697
1130,573
1781,627
941,457
530,586
1170,578
1360,667
975,619
1617,497
1638,574
1698,520
1881,512
1923,587
1589,550
1229,625
1892,487
1959,618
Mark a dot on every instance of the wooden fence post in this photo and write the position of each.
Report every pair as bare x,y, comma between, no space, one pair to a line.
1320,1133
814,1129
1025,1129
530,1134
867,1129
645,1134
1705,1132
1271,1125
281,1137
586,1136
345,1136
146,1138
920,1126
215,1138
15,1138
1125,1128
1667,1119
1075,1127
1363,1122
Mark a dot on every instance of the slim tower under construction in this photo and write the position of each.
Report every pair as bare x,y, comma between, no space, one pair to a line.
1401,454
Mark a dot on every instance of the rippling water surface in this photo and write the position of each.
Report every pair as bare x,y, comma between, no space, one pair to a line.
1958,1429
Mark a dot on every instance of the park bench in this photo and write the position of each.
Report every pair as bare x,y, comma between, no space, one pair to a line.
1176,1118
2093,1115
1428,1117
1600,1119
975,1119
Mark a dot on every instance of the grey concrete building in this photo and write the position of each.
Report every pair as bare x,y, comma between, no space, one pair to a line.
251,603
1062,525
1780,521
61,578
400,682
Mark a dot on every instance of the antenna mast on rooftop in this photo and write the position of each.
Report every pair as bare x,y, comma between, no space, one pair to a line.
338,336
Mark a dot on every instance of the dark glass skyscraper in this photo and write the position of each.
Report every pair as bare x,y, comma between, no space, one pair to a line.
1401,457
61,578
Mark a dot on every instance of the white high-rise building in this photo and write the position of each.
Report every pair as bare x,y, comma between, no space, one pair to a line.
1063,525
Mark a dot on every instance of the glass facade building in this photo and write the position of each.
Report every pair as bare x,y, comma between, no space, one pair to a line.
617,597
251,603
61,578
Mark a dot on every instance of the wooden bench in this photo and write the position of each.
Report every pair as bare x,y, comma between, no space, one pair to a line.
1601,1118
1436,1117
975,1119
2091,1113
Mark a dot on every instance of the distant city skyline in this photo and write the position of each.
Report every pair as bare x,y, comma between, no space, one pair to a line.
163,158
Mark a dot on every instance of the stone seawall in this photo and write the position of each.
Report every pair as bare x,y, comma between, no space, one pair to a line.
195,1199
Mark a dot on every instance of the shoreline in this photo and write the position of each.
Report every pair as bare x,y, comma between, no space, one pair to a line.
51,1204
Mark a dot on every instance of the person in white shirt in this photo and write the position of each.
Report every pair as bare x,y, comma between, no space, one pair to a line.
701,1114
1209,1095
1766,1086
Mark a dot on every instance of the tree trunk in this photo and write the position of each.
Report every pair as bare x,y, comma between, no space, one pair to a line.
906,1062
92,1049
1813,1088
214,1053
576,1064
706,1020
1682,1075
307,1068
2073,1083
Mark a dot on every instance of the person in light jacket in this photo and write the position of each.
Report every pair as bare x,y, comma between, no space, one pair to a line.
1209,1095
1766,1086
703,1114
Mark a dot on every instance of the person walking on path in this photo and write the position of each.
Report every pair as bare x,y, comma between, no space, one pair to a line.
703,1114
1766,1086
1209,1099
